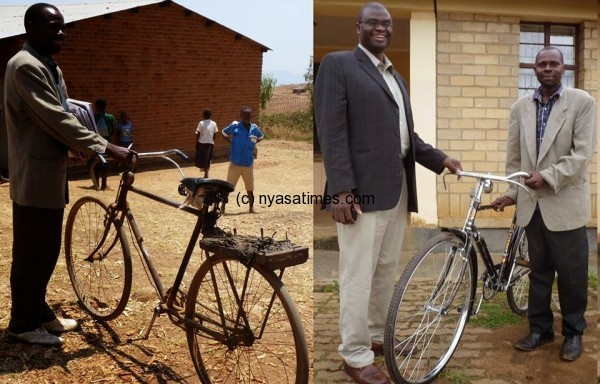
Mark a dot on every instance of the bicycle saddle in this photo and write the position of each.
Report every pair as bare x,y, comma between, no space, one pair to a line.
205,186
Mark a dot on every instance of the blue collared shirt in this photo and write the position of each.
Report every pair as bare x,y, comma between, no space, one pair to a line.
242,147
542,114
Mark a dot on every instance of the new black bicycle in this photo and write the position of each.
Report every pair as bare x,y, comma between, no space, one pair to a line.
435,296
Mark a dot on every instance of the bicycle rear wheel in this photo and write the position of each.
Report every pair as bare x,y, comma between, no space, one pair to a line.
429,309
242,325
517,293
98,259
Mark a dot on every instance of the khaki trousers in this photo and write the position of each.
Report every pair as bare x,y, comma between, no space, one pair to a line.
369,256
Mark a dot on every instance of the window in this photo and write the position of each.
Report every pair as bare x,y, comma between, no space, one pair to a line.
536,36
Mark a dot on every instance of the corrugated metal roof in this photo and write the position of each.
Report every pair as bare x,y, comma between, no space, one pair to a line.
11,19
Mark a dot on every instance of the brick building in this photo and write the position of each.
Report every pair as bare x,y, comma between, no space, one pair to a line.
466,62
156,60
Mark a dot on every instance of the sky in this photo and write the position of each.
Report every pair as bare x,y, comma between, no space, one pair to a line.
285,26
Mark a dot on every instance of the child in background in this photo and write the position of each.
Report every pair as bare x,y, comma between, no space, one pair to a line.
205,140
125,131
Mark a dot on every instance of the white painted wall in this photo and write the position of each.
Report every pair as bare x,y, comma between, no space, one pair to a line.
423,101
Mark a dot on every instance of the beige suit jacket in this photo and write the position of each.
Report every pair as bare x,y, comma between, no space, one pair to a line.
40,132
566,151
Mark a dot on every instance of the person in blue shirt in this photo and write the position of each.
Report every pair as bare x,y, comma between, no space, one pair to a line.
243,136
125,131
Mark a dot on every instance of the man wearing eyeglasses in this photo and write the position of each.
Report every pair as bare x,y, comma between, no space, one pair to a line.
365,128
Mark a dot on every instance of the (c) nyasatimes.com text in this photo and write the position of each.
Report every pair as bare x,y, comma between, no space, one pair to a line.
303,198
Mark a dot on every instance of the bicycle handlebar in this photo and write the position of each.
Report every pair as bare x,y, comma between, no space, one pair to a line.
101,158
488,176
163,154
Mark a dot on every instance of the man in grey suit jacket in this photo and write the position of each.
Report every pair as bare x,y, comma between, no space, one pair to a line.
40,132
551,135
365,128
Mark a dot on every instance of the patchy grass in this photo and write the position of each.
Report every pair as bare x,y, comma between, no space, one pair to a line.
496,313
333,287
456,376
292,126
593,282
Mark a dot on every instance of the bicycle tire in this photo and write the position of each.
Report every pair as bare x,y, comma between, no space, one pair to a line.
229,351
421,335
517,293
102,282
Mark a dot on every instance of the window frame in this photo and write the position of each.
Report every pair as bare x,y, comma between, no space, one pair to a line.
547,26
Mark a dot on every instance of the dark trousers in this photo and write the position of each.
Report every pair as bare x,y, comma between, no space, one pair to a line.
36,246
565,252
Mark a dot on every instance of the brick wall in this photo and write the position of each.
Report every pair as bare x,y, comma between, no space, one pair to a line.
162,65
478,71
588,80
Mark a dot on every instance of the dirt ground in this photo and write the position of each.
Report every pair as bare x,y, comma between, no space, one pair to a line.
100,353
489,354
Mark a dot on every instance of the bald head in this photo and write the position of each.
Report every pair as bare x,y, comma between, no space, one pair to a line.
45,27
36,14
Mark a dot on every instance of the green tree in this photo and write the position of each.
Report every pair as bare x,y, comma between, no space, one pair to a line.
308,78
267,86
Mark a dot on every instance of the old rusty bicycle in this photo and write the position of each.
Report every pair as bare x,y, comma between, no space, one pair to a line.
241,324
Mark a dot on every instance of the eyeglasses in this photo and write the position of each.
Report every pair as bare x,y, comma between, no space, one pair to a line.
373,23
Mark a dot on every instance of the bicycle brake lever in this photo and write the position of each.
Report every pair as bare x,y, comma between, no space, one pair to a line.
522,186
446,174
519,175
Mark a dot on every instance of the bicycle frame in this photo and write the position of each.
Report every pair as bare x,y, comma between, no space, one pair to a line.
498,279
241,323
120,211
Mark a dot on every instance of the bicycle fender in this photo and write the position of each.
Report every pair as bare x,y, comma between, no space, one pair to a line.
455,231
461,235
472,255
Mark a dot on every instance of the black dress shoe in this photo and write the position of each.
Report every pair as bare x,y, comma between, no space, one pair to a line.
535,340
571,348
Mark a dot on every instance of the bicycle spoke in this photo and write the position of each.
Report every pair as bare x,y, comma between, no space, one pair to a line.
99,269
429,310
244,332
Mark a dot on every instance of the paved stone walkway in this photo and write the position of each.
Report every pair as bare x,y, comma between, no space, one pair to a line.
478,348
467,363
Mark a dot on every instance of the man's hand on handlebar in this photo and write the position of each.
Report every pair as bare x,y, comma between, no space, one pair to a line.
452,165
535,181
121,154
501,202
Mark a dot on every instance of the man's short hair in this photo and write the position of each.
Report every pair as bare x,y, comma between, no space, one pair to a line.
372,4
551,48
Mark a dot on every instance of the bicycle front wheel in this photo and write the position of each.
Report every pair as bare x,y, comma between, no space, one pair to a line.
98,259
429,310
518,290
242,325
